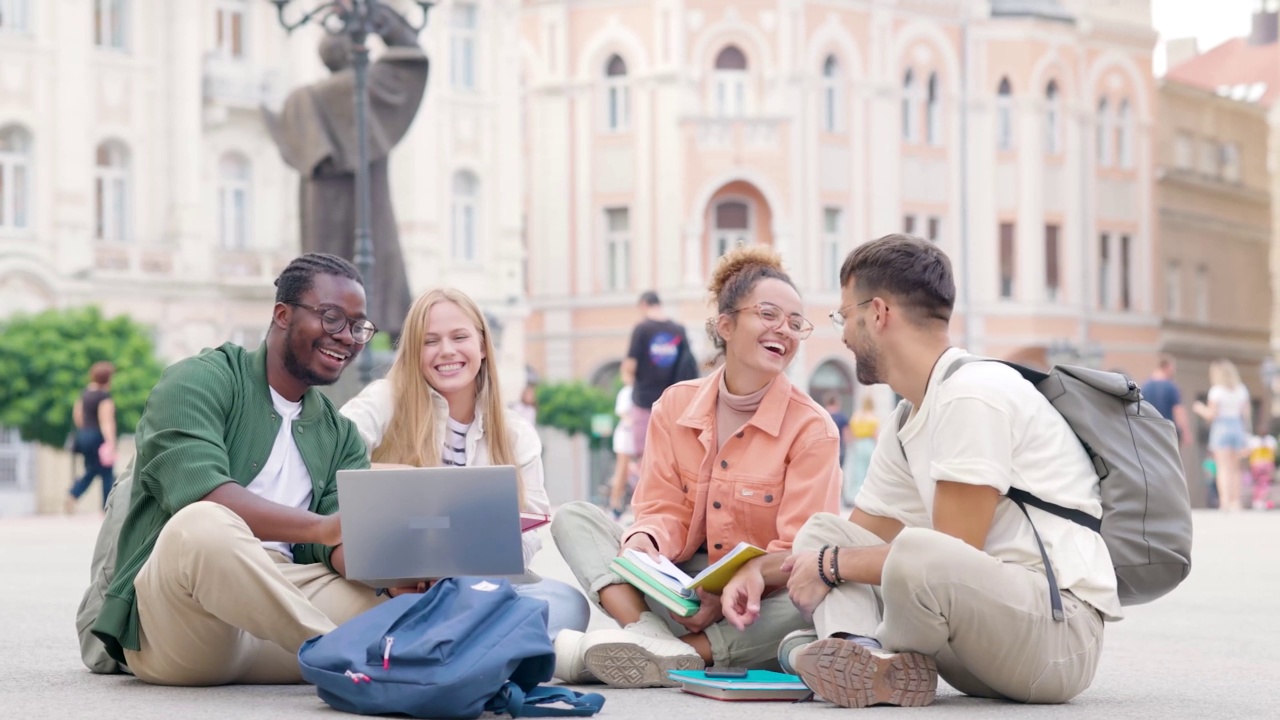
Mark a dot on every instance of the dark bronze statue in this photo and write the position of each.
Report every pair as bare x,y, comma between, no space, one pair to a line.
316,135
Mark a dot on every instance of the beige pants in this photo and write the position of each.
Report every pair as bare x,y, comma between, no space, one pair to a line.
589,540
216,608
987,623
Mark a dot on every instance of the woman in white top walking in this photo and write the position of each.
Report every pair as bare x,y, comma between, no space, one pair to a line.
441,404
1230,417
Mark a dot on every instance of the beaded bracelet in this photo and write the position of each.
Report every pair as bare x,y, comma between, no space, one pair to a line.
822,572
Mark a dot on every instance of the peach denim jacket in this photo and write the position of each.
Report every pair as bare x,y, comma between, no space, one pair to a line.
760,487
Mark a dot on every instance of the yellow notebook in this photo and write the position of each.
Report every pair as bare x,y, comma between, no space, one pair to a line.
716,576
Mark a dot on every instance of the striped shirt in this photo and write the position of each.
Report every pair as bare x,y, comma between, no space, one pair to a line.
454,451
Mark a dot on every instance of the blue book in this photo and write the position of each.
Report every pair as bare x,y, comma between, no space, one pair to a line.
757,685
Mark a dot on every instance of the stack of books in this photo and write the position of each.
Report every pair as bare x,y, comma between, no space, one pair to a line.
671,586
757,685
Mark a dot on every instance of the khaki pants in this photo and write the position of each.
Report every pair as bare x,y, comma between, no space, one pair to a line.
216,608
987,623
588,539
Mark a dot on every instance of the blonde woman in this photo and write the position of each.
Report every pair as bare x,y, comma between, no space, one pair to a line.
1230,417
440,404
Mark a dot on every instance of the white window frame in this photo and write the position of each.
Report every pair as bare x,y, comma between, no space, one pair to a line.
1202,293
729,96
16,182
463,37
831,94
832,232
1124,135
1104,135
112,193
1004,116
224,27
617,249
235,202
465,217
111,24
909,112
933,111
1106,269
617,98
723,240
1173,289
1052,119
15,16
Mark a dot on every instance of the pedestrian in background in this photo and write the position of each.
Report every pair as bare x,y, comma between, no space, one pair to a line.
1230,418
94,415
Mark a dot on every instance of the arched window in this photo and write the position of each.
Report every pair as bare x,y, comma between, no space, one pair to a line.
465,203
13,16
235,193
933,112
909,106
111,192
1104,133
1004,115
831,94
1052,119
730,84
731,227
15,178
110,24
617,100
1124,135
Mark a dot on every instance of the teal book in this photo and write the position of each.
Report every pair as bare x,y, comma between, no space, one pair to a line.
757,685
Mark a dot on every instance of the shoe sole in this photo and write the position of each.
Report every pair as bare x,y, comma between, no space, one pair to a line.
789,644
624,665
850,675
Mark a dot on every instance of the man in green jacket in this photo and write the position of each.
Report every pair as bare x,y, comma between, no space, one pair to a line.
231,556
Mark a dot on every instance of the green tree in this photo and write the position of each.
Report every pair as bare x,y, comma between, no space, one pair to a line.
45,359
569,406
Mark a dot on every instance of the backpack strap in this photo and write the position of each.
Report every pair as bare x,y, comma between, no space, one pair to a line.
513,700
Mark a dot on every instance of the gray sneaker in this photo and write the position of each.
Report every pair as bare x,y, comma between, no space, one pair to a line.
853,675
794,640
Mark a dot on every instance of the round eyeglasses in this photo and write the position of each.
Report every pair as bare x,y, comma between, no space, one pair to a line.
334,320
774,317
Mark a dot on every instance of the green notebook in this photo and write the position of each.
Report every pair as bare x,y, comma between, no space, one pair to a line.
629,571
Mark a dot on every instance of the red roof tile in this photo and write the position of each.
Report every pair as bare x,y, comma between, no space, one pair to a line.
1237,69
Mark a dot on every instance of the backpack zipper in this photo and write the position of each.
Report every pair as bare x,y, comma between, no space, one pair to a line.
386,654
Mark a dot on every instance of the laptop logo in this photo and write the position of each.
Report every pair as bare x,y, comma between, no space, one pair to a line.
484,586
429,522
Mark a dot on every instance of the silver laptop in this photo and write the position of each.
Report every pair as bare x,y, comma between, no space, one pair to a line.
403,526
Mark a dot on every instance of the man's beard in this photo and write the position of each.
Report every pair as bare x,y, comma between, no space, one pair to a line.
294,367
867,360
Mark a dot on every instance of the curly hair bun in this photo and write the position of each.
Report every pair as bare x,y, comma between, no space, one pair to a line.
739,259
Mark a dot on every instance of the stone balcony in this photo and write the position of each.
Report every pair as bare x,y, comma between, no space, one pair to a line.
742,133
237,85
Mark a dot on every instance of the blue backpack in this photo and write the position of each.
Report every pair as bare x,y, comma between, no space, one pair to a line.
467,646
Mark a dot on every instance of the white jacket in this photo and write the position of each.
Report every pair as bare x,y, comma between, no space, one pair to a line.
372,409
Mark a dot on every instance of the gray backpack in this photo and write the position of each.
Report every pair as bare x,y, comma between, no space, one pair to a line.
101,571
1146,512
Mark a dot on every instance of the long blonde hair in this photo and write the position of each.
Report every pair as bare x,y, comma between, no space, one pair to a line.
1223,372
413,435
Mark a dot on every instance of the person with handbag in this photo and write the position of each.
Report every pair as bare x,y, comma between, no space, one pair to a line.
441,404
741,455
94,415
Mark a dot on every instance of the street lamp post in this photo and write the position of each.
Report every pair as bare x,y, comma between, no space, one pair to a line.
356,19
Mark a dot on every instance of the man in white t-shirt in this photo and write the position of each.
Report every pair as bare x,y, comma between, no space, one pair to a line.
936,570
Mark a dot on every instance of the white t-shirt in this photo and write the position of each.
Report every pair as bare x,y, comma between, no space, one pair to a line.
988,426
624,442
1230,402
454,451
284,478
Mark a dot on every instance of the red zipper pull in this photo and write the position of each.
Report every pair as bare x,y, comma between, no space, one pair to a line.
386,654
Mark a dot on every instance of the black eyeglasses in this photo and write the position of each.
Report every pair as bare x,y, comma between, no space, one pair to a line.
334,320
773,318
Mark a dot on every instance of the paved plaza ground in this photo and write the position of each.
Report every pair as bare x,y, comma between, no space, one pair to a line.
1210,650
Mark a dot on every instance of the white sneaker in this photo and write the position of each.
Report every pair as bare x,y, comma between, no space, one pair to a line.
650,625
569,648
627,659
791,644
